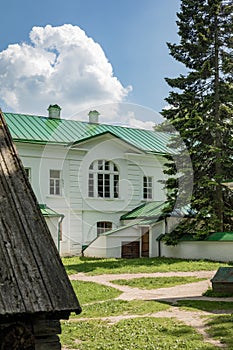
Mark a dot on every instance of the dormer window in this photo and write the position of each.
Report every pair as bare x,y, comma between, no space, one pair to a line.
103,179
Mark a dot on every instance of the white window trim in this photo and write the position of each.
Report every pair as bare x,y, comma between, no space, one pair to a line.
54,185
151,187
104,228
94,169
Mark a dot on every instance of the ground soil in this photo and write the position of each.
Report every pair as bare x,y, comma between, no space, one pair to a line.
191,291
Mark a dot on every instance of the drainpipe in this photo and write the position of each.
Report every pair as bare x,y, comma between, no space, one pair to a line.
160,238
59,231
159,248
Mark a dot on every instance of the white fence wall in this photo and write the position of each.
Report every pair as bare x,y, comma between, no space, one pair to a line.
214,250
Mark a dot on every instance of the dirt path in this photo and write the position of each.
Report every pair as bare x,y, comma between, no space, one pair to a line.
190,291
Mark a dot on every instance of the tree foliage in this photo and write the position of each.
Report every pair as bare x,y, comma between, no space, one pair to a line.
201,110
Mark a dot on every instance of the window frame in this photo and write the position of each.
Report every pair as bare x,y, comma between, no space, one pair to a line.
103,226
103,179
147,188
55,183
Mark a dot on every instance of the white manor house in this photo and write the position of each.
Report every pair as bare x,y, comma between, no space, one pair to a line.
97,185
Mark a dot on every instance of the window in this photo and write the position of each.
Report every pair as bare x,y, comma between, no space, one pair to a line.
147,187
55,182
103,179
103,226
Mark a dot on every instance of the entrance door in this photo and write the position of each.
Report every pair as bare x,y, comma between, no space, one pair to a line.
130,249
145,245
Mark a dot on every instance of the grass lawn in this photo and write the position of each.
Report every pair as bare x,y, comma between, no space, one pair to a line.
146,333
94,266
122,307
220,327
89,292
156,282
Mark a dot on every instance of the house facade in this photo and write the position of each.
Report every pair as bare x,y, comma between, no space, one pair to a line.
90,178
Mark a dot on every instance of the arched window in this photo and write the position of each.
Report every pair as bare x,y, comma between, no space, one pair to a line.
103,179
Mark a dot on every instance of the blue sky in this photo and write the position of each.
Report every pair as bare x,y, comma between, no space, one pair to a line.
132,35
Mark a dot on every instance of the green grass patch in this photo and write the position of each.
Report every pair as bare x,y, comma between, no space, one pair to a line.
156,282
122,307
140,333
95,266
205,305
220,328
88,292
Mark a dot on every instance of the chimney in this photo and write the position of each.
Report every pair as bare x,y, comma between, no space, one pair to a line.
94,117
54,111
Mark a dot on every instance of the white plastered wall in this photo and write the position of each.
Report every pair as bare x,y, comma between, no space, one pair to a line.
217,251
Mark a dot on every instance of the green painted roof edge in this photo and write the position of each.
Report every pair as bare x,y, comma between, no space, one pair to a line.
127,216
140,223
108,133
213,237
46,211
117,229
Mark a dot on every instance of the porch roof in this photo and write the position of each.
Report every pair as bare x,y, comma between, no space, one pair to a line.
154,211
147,210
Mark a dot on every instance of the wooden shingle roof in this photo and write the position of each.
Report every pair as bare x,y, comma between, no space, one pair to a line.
32,276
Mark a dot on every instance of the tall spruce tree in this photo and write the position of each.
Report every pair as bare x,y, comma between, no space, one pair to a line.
201,110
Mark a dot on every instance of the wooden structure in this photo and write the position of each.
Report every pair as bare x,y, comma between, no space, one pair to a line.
35,292
222,282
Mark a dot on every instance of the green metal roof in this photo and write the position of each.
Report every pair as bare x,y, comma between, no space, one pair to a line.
220,236
46,211
145,211
39,129
215,236
152,210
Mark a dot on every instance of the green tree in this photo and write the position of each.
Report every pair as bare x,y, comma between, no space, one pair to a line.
201,110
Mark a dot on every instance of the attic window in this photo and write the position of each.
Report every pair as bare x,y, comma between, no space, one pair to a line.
103,179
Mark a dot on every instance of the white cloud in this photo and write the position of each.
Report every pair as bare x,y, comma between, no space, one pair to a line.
60,65
125,114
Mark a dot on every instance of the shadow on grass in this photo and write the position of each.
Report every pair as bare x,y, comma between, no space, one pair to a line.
215,307
99,265
210,293
220,327
91,264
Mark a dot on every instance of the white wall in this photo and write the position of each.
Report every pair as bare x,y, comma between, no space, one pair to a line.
156,231
97,249
109,246
217,251
52,223
82,213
